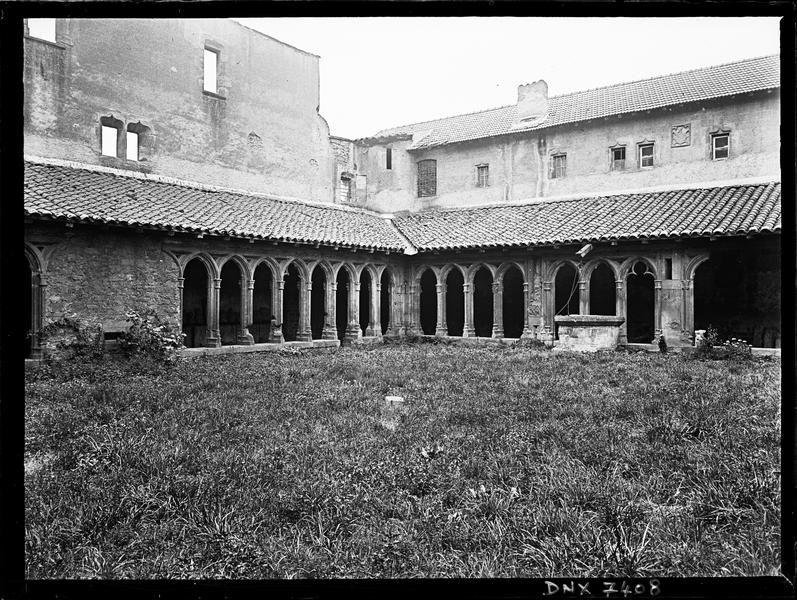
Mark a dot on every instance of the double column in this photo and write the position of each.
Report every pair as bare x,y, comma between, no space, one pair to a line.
498,309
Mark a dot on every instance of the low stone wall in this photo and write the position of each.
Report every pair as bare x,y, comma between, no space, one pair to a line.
588,333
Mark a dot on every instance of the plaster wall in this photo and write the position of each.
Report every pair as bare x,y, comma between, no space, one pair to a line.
261,132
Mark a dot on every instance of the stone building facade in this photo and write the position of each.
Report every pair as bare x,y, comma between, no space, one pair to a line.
183,166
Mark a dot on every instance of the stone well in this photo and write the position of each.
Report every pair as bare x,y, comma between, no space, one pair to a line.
588,333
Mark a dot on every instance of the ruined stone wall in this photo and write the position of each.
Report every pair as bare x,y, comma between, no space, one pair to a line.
519,164
98,275
261,132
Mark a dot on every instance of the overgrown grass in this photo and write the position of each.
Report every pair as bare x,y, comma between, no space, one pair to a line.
501,462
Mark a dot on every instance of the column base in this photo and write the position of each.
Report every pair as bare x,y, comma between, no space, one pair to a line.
329,333
468,332
353,332
304,336
498,333
441,331
213,341
527,334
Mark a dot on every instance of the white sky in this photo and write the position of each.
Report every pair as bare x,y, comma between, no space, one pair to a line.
386,71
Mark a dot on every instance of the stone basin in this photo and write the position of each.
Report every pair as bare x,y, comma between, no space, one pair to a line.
588,333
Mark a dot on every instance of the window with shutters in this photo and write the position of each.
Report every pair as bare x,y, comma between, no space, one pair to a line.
558,166
720,146
427,178
645,155
618,158
482,175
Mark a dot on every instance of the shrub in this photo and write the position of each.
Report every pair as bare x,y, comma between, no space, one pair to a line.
150,336
736,348
71,338
530,343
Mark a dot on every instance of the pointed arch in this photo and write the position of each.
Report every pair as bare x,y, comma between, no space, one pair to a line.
445,271
197,275
205,258
628,264
502,269
242,263
471,271
482,281
427,290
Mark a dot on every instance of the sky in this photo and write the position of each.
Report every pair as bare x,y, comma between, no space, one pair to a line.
379,72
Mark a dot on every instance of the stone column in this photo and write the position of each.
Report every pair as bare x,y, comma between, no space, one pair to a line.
620,309
276,333
688,308
304,333
39,288
583,298
467,329
547,312
330,318
247,293
180,288
528,329
214,335
441,328
353,331
412,317
498,309
376,309
657,309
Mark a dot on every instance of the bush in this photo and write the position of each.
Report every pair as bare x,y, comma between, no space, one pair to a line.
150,336
711,346
71,338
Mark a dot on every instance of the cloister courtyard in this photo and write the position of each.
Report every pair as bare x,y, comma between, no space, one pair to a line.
502,460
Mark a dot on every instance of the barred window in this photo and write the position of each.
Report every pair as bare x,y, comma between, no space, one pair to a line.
558,166
618,159
482,175
720,146
427,178
646,155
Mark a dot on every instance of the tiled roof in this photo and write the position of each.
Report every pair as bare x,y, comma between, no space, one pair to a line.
749,75
726,210
99,197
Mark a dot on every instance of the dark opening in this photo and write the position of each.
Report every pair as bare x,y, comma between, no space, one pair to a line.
388,158
566,294
737,292
28,302
365,300
230,303
342,303
385,300
318,311
195,304
428,302
602,291
667,268
290,304
514,300
455,302
640,317
261,305
483,303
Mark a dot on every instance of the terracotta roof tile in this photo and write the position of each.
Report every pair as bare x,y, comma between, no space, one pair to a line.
99,197
726,210
745,76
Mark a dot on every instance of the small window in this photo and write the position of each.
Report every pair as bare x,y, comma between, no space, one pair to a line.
427,178
482,175
668,268
388,158
109,140
645,155
132,145
558,166
720,146
211,74
618,159
43,29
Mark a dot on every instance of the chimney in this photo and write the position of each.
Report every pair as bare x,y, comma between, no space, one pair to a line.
532,103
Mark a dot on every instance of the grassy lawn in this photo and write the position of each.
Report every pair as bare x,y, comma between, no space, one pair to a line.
502,462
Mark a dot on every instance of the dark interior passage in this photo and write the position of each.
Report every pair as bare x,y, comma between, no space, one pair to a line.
342,303
602,291
262,312
230,303
365,300
318,311
483,303
385,301
428,302
455,302
290,304
738,293
640,307
28,304
566,293
514,300
195,304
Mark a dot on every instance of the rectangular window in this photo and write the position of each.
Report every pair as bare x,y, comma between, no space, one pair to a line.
645,155
388,158
558,166
132,146
43,29
720,146
108,142
618,159
668,268
482,176
211,66
427,178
